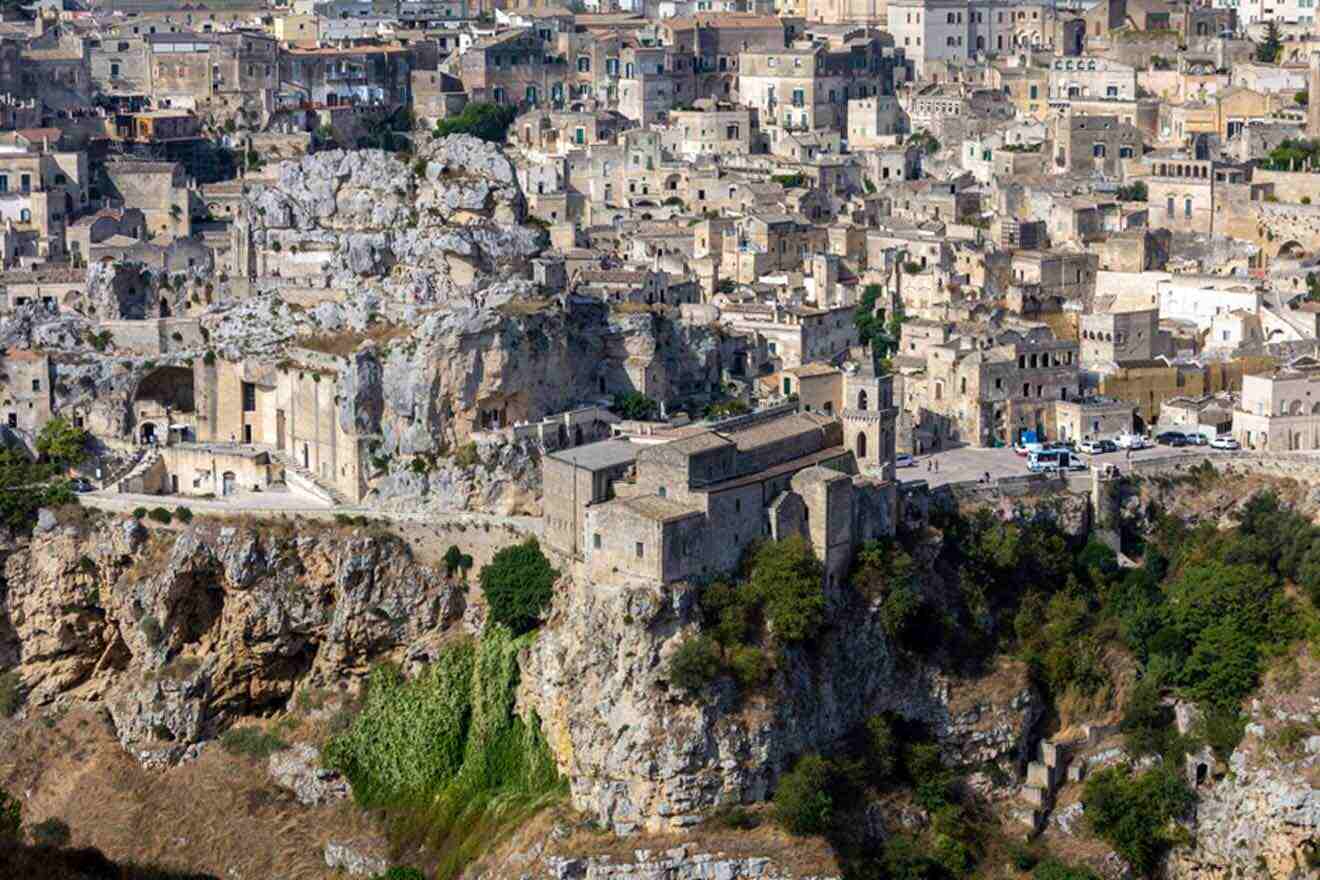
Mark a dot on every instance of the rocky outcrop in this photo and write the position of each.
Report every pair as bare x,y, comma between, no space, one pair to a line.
447,225
298,769
641,755
181,632
680,863
1262,817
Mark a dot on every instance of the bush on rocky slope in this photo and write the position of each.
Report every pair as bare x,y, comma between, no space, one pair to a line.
518,584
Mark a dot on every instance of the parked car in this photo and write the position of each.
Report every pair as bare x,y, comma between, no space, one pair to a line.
904,460
1098,447
1131,441
1028,448
1171,438
1054,460
1224,442
81,486
1197,439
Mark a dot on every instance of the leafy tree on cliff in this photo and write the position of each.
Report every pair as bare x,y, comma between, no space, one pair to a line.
518,585
61,444
490,122
786,579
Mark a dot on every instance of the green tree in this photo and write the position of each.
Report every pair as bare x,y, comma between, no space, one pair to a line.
1302,98
803,804
518,584
786,580
695,664
490,122
60,443
635,405
1268,51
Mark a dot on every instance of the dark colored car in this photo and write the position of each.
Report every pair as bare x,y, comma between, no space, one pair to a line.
81,486
1106,446
1171,438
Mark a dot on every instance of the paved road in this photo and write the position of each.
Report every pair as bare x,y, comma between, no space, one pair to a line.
970,464
294,504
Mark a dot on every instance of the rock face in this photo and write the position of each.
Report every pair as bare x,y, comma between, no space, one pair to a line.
676,864
181,632
445,226
1262,818
641,755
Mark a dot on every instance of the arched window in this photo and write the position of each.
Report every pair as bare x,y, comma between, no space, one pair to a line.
861,445
861,399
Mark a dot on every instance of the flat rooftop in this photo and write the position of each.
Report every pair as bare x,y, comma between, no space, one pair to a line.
597,456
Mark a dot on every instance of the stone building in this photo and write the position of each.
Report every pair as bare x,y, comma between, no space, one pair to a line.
1093,418
1280,409
25,392
1094,144
809,88
1111,339
292,409
985,387
690,508
158,189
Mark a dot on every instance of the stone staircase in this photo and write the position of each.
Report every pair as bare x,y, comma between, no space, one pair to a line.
298,477
1054,766
147,456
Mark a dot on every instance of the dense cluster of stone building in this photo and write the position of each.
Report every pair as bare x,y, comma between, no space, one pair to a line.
813,234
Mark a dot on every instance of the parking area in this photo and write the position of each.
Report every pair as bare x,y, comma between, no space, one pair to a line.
970,464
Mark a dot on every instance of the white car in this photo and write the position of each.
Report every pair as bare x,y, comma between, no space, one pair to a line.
1131,441
1224,443
1090,447
904,460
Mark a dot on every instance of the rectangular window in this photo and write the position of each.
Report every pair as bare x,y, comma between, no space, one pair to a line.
1168,207
595,540
1187,208
640,549
36,384
249,397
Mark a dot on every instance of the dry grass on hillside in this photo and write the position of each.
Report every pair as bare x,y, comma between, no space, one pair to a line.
219,815
344,344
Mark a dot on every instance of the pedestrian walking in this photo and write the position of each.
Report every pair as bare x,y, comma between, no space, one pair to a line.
937,465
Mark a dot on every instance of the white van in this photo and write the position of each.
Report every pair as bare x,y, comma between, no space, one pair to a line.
1131,441
1054,460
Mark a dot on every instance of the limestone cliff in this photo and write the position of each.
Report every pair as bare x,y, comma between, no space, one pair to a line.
181,632
641,755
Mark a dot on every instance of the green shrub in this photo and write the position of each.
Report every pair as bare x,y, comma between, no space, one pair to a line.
251,742
787,581
490,122
695,664
881,748
139,512
1147,722
160,515
518,584
803,804
399,872
932,782
1222,729
86,565
467,455
50,832
1135,812
1053,869
151,630
749,665
11,817
11,694
184,514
